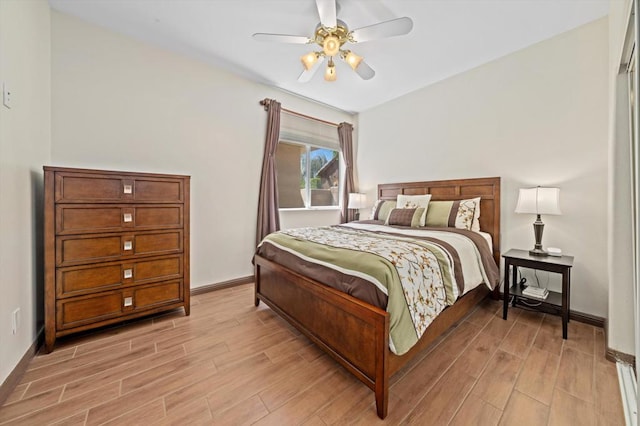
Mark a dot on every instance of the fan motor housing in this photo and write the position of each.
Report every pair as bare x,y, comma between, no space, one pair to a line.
341,32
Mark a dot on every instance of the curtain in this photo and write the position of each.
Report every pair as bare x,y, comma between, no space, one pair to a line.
345,135
268,215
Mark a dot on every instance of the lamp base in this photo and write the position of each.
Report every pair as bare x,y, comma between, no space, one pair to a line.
538,252
538,227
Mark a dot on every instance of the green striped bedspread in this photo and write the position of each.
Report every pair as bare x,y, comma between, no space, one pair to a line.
416,272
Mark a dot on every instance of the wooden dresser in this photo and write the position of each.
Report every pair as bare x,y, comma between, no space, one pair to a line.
116,247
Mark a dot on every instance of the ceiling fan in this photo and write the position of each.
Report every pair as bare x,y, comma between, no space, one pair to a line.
331,34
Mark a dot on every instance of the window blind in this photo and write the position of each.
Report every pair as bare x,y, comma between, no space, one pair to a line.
308,130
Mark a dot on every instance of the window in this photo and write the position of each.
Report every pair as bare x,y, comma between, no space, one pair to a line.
308,164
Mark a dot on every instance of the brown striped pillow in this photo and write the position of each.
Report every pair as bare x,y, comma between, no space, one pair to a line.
405,217
454,214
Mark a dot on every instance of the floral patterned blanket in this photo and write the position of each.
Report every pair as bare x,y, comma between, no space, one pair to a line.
417,274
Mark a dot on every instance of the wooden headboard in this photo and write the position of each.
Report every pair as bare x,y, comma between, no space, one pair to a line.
458,189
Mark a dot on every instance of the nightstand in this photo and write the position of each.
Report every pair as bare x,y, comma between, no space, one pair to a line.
555,302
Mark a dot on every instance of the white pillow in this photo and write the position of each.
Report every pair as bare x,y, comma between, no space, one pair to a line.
413,202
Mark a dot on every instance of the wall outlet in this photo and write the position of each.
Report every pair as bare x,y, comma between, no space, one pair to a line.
15,321
6,95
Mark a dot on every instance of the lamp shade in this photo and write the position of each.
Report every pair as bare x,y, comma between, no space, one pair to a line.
353,60
330,71
357,200
539,201
309,60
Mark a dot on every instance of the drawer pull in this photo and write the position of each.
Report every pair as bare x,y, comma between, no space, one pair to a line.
128,301
127,189
128,273
127,217
128,245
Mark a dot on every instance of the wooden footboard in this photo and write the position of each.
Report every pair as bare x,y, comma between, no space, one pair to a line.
351,331
354,333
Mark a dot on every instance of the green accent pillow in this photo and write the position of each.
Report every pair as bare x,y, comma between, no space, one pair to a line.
382,209
453,214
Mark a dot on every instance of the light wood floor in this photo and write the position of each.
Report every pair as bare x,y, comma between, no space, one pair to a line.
231,363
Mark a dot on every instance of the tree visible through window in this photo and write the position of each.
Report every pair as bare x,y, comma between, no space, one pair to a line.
308,176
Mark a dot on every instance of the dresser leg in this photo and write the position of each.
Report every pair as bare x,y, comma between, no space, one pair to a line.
49,341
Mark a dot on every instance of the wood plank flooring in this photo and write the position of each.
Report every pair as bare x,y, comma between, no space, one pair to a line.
231,363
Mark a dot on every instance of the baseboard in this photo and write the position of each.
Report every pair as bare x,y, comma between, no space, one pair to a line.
221,285
615,356
14,377
587,319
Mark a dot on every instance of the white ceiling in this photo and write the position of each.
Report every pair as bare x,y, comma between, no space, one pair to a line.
448,37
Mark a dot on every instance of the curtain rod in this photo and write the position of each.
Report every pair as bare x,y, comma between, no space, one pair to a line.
265,103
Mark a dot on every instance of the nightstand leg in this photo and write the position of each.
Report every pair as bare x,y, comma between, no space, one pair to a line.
514,281
505,305
565,302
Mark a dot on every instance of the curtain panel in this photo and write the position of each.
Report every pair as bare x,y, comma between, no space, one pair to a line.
345,135
268,214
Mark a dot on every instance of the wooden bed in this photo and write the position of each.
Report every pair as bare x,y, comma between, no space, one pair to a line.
355,333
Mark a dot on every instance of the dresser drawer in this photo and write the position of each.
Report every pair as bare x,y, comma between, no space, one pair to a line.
92,218
74,249
147,297
92,187
102,307
78,280
80,311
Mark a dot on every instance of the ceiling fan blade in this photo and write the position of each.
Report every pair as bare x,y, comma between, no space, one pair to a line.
392,28
365,71
306,75
327,12
282,38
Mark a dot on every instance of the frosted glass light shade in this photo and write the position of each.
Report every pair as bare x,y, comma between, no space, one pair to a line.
357,201
309,60
330,72
539,201
353,60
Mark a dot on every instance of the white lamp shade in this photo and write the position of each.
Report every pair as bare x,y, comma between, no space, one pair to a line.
357,201
539,201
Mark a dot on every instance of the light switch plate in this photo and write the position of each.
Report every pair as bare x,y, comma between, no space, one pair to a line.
6,94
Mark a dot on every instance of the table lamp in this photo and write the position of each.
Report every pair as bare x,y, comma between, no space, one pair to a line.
357,201
538,201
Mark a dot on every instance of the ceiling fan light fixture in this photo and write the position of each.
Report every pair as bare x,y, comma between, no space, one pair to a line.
331,45
309,60
330,72
352,59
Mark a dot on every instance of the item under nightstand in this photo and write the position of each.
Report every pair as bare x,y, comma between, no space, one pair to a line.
554,302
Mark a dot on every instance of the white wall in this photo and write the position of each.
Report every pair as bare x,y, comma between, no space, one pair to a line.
25,137
536,117
125,105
